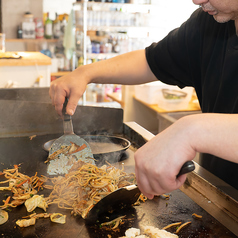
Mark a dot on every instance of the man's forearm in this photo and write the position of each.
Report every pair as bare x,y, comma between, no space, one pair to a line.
215,134
127,69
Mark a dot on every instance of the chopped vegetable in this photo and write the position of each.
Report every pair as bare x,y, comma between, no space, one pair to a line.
197,216
3,216
182,226
26,222
58,218
35,201
171,225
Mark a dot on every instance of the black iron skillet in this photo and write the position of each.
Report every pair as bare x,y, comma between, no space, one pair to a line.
101,145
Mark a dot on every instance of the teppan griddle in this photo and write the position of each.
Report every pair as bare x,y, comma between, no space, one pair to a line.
39,119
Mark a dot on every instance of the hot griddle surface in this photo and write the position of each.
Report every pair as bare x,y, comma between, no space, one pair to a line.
158,212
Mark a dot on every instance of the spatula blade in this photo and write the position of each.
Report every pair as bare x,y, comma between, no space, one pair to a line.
114,201
66,140
124,196
57,159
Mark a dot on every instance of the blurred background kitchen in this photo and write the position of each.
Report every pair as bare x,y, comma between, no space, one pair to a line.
46,39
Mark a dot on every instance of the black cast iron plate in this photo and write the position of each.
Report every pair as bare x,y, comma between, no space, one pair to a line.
158,212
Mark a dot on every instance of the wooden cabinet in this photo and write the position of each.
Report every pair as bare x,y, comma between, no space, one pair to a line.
32,69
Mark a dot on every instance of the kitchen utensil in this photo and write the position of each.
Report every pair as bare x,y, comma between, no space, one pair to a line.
69,137
123,197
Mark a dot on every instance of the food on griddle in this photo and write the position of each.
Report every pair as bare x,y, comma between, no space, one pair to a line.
148,232
39,215
154,232
32,137
31,219
172,225
182,226
34,202
113,224
165,196
196,216
22,186
132,232
58,218
26,222
80,190
3,216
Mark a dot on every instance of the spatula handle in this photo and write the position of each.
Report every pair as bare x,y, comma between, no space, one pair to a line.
188,166
67,117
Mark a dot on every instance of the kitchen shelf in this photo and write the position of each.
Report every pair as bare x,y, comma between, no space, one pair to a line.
99,55
117,97
32,40
193,106
116,28
125,15
112,4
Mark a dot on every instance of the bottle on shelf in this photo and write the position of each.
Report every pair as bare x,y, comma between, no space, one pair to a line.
19,32
56,27
39,28
63,25
48,28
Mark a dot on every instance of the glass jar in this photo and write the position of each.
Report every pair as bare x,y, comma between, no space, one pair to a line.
28,26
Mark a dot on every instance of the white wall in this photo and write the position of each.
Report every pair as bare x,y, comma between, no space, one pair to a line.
13,12
170,14
59,6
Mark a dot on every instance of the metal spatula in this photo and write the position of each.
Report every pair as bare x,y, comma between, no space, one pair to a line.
123,197
83,152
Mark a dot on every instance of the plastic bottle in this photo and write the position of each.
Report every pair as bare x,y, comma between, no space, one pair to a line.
48,28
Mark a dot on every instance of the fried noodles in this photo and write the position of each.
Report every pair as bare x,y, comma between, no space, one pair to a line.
22,186
80,190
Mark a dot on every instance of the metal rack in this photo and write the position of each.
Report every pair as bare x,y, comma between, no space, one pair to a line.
81,23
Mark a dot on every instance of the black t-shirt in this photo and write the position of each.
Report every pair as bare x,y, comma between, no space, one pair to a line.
204,54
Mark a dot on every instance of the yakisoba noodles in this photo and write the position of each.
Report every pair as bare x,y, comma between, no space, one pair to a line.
22,186
80,190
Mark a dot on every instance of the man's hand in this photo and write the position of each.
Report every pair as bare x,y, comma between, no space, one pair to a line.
67,86
159,161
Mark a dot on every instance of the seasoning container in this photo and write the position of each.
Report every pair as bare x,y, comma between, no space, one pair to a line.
28,26
56,27
19,32
39,28
100,92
